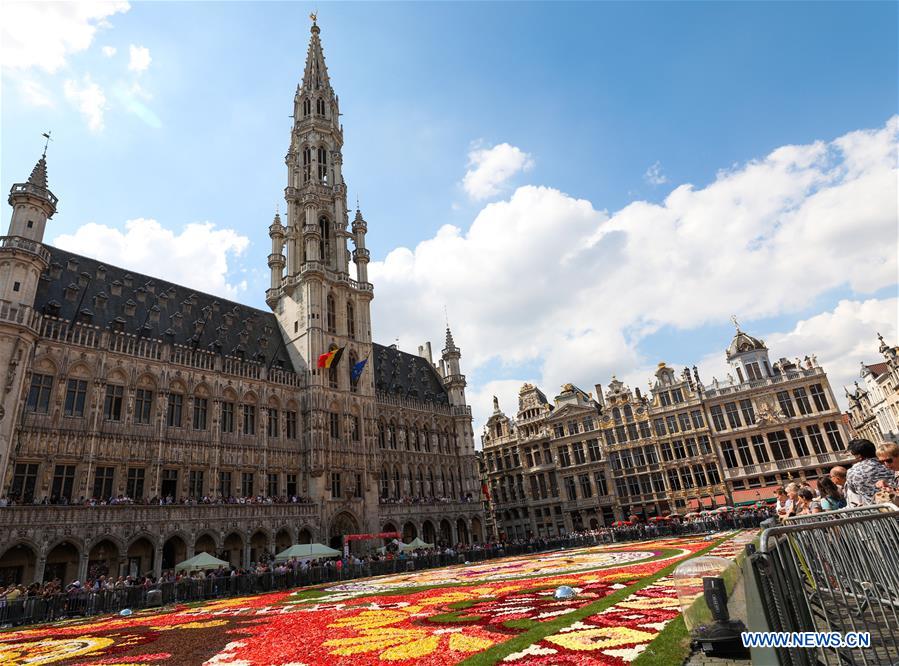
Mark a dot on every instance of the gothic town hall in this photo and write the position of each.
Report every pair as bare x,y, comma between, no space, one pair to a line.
142,422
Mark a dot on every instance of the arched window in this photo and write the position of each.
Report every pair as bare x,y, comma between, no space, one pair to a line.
350,319
307,164
324,245
616,415
396,482
307,107
385,483
354,384
323,165
382,435
628,413
331,314
320,106
421,484
431,491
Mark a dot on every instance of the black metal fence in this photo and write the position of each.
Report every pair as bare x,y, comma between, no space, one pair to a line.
828,572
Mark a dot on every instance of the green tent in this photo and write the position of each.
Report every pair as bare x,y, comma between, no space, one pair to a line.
415,544
307,551
201,562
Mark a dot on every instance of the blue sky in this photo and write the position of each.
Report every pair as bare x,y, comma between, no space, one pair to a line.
610,103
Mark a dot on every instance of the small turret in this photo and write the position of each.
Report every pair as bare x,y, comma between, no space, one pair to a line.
33,204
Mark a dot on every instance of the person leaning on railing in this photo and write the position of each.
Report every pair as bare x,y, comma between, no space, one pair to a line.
863,476
888,491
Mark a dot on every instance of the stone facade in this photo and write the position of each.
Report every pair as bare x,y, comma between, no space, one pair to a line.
874,406
124,385
585,462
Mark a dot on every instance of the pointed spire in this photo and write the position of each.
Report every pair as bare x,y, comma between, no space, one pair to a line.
449,338
315,75
38,176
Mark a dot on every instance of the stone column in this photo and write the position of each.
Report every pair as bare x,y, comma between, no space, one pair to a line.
39,567
157,561
246,552
82,567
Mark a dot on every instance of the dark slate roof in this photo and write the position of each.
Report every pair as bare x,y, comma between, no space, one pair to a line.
406,375
112,297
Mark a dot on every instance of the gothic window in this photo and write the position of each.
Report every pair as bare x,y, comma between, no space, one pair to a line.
143,404
307,107
323,165
76,395
176,407
324,245
385,483
249,419
628,412
112,405
201,410
350,320
331,315
39,394
320,106
307,164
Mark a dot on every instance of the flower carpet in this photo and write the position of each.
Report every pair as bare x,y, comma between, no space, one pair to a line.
497,611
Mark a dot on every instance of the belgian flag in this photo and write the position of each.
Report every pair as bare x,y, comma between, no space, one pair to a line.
331,358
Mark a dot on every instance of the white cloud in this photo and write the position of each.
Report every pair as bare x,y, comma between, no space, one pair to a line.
89,99
139,58
109,51
198,256
43,34
549,279
490,168
34,93
654,175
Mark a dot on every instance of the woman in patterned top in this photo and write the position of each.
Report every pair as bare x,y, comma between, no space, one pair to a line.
862,477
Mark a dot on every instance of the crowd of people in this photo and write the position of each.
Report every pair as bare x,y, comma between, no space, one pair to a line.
872,479
157,501
405,499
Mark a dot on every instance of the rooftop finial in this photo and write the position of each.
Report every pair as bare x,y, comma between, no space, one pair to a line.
313,16
46,135
733,318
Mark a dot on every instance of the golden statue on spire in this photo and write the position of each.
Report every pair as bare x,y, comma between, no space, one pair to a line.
313,16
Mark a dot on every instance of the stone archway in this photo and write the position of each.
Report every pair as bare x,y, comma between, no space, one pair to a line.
409,532
461,531
259,546
232,549
389,527
476,530
18,564
343,523
428,533
304,536
62,562
446,532
283,540
205,544
174,550
103,559
140,554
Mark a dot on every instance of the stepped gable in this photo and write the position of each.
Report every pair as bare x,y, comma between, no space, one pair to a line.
115,298
406,375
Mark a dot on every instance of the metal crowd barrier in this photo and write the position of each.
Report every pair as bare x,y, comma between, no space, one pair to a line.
828,572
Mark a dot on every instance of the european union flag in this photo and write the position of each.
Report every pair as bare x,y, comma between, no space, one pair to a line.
357,370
